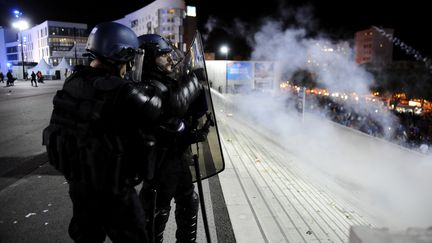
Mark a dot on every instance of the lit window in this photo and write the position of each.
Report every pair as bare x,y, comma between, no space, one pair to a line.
171,11
134,23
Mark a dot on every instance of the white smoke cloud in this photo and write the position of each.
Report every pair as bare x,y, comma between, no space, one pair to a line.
331,61
336,69
211,23
386,181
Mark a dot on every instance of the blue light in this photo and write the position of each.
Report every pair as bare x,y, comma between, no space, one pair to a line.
9,65
17,13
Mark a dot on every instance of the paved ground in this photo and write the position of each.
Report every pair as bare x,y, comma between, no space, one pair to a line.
270,200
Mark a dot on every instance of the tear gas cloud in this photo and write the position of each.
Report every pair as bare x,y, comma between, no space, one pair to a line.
386,182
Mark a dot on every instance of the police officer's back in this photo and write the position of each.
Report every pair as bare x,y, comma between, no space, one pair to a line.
96,138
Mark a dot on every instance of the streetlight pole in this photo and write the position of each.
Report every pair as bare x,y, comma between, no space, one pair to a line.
224,49
22,54
21,25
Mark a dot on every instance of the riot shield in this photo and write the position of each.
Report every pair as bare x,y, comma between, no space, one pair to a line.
210,151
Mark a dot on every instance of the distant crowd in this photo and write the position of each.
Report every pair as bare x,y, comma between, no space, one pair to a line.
406,129
35,78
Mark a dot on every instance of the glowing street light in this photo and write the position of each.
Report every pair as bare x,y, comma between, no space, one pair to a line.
21,25
224,50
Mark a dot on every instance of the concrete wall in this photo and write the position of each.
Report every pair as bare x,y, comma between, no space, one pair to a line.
216,71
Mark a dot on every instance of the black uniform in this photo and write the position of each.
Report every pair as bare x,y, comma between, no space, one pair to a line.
101,137
97,139
173,178
33,79
10,79
164,63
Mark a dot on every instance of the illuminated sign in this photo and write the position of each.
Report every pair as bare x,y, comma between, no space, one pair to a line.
239,70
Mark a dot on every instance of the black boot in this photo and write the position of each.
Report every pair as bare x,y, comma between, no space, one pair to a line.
186,215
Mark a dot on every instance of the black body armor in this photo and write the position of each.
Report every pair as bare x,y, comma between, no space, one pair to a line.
95,134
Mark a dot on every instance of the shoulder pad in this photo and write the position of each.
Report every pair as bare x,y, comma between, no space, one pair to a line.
108,83
159,85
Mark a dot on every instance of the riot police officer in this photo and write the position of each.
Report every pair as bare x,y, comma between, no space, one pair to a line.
173,178
98,137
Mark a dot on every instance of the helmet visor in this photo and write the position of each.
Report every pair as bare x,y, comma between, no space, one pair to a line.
137,66
120,53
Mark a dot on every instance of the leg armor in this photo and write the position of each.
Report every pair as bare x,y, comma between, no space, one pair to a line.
161,218
186,215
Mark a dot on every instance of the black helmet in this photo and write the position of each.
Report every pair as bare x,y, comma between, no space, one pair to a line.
112,41
160,54
154,45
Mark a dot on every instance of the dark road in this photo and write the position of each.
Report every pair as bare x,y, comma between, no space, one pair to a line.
24,112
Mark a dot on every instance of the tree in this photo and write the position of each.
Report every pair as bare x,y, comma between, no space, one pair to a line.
304,78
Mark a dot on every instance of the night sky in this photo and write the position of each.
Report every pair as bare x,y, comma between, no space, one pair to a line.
337,19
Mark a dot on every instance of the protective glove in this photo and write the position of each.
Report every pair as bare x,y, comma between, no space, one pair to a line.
199,135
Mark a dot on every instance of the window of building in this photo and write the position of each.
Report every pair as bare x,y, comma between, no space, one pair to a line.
12,49
149,27
134,23
12,57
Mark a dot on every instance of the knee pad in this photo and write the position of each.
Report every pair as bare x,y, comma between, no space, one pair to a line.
188,202
186,215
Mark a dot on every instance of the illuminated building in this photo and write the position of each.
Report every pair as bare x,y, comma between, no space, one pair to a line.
50,40
53,40
373,48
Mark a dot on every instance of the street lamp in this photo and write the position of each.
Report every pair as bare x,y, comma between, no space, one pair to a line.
224,50
21,25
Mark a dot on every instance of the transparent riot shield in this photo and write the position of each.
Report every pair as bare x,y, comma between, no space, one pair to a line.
210,151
